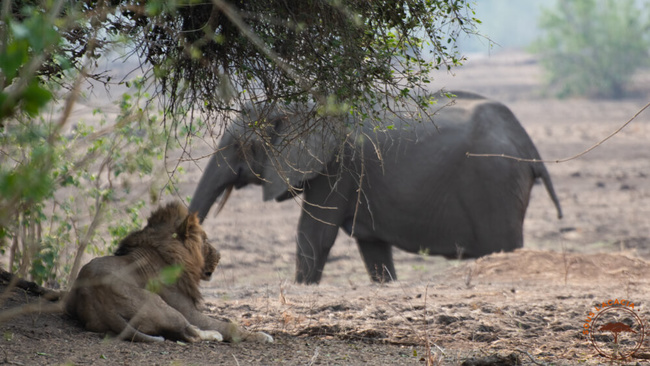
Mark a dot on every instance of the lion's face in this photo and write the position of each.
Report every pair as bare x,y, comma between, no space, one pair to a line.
211,258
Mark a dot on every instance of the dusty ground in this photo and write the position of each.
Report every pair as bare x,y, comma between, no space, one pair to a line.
525,307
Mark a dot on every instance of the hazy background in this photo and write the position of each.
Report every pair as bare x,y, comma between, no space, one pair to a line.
508,23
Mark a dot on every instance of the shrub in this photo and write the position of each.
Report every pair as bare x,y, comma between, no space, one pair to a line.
593,47
65,190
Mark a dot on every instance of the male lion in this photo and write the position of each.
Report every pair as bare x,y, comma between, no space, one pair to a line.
131,295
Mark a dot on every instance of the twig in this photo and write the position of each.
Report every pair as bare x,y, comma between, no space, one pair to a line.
563,160
314,357
232,14
358,201
431,360
39,308
7,361
86,239
567,263
532,359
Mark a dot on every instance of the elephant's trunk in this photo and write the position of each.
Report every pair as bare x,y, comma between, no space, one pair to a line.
216,179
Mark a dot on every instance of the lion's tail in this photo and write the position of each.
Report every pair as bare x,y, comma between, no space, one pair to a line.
129,333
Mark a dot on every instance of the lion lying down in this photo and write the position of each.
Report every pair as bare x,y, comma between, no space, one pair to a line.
128,296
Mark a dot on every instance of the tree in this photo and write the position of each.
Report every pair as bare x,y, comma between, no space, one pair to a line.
202,60
206,54
593,47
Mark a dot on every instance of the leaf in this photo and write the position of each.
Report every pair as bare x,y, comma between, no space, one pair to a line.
170,274
8,336
11,60
35,97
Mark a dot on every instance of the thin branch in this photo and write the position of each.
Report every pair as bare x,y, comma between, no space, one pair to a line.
236,19
85,240
38,308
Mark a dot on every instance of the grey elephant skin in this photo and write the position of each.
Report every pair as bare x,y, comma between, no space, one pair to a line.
419,190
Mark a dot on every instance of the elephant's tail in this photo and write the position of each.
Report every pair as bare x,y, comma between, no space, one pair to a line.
541,172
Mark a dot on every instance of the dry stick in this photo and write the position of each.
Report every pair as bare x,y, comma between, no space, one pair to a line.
14,246
430,358
356,207
85,240
235,357
468,154
314,358
532,359
33,308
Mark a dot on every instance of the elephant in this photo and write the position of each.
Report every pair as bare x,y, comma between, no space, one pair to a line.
405,183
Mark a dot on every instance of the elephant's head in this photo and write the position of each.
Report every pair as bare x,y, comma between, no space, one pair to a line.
271,149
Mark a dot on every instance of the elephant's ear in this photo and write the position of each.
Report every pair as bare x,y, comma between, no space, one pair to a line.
296,156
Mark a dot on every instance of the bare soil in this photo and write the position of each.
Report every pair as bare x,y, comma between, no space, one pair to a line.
525,307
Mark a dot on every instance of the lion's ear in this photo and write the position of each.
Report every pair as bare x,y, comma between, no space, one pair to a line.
188,226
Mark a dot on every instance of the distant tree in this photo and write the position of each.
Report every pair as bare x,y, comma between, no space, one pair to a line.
593,47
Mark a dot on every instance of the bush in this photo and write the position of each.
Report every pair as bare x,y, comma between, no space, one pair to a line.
593,47
65,190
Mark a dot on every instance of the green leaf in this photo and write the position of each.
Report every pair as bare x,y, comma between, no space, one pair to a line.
35,97
8,336
170,274
13,58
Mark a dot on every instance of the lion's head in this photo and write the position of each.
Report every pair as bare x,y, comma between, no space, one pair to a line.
175,236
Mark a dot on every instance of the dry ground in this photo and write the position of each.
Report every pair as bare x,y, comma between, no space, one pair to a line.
525,307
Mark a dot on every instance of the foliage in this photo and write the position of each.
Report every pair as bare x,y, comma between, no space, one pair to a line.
593,47
168,276
210,57
86,191
63,190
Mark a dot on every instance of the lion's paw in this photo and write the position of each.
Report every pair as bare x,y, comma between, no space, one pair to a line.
210,335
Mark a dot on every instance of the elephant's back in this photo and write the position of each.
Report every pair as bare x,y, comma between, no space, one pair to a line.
423,191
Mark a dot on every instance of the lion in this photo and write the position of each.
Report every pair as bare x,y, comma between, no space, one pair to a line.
130,294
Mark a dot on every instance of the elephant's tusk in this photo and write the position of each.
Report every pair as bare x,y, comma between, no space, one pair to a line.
223,200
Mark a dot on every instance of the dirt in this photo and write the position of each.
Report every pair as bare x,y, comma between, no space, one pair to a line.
525,307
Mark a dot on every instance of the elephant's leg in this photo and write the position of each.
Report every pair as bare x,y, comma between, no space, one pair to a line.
378,257
315,239
323,211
